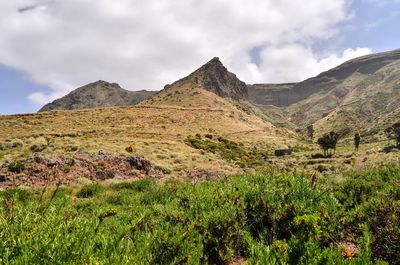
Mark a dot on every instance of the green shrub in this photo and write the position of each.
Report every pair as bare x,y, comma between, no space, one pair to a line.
261,218
71,148
89,191
138,185
230,151
23,195
209,136
16,166
16,143
372,197
38,147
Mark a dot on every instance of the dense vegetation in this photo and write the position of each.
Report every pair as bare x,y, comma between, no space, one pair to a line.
264,218
228,150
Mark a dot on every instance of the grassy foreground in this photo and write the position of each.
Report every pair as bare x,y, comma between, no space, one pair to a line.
265,218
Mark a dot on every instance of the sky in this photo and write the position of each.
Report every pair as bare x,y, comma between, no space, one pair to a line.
50,47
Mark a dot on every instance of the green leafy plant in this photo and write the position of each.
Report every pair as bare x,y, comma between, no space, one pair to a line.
262,218
89,191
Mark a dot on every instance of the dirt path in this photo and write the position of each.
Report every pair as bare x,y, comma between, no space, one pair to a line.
247,131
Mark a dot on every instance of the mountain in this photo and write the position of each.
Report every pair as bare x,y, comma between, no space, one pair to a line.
213,88
283,95
352,96
212,85
212,77
358,95
98,94
215,77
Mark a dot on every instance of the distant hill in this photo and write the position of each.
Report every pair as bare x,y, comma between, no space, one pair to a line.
354,95
98,94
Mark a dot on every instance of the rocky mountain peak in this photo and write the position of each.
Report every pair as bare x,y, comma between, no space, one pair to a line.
213,63
215,77
101,84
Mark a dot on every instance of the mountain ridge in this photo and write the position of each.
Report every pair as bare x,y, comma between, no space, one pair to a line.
295,92
350,97
97,94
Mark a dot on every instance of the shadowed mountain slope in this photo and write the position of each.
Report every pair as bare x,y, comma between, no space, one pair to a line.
283,95
352,96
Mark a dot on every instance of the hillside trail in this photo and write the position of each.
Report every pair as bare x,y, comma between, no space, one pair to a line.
247,131
178,108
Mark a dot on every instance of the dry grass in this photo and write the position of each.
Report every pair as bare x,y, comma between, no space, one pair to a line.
156,132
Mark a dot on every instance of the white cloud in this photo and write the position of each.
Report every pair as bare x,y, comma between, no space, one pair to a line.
296,62
382,2
146,44
42,98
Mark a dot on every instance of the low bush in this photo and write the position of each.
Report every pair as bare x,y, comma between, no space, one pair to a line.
18,194
138,185
373,198
38,147
230,151
89,191
16,143
390,148
16,166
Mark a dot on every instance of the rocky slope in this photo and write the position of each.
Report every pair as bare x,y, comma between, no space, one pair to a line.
98,94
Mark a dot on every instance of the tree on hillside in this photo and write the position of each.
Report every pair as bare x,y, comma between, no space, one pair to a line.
357,140
324,143
328,142
310,132
393,132
334,137
396,130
